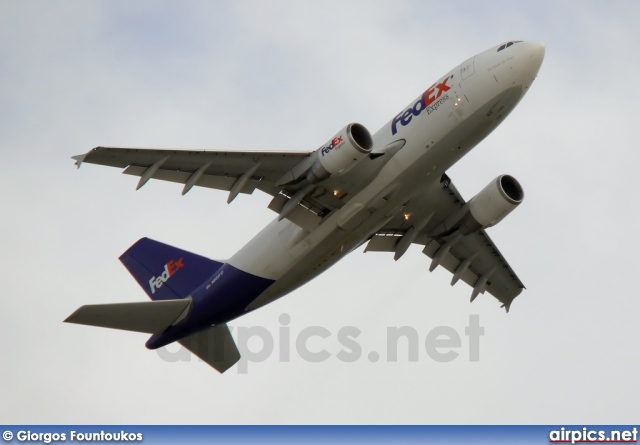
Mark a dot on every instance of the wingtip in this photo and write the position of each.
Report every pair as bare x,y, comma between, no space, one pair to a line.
72,317
79,159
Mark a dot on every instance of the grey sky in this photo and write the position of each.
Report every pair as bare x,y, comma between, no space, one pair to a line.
287,76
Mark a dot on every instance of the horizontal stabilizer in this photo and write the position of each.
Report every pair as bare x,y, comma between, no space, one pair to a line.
148,316
215,346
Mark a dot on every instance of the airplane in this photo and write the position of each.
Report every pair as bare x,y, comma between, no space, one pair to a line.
389,190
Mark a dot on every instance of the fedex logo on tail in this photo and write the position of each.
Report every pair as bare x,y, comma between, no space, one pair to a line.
169,269
426,100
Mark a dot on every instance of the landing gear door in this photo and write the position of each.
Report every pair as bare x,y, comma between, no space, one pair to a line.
467,69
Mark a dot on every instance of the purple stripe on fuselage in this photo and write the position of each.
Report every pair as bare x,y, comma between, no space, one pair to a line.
223,297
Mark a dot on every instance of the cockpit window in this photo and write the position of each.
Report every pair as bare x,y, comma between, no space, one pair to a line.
508,44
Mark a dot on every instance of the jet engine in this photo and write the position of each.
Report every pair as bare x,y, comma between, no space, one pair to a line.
492,204
340,153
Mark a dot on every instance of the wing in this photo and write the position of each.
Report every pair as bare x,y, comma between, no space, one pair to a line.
233,171
279,174
428,219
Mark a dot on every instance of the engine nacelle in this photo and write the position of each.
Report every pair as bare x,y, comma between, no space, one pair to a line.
492,204
341,153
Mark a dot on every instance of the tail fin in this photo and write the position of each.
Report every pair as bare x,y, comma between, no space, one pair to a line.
166,272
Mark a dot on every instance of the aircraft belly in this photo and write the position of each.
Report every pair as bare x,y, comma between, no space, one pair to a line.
269,254
293,264
317,260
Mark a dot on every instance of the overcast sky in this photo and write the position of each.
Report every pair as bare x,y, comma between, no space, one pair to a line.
286,76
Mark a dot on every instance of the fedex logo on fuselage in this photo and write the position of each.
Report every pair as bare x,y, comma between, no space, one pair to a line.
334,143
425,101
169,269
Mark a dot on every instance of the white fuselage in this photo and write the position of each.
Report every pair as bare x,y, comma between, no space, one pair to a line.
439,128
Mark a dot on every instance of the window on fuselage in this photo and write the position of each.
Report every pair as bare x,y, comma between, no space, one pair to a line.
508,44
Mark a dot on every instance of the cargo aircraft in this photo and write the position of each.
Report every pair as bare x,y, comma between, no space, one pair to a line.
388,190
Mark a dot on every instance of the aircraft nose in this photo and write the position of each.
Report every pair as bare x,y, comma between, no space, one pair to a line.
535,52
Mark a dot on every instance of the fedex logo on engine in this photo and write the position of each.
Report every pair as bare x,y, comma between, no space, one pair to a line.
334,143
430,100
169,269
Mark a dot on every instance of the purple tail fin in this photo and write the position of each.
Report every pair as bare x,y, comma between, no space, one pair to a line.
166,272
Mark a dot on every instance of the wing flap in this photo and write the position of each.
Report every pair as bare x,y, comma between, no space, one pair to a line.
210,181
382,243
501,281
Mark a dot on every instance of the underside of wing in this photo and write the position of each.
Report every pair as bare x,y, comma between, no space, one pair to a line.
437,219
222,170
303,190
232,171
